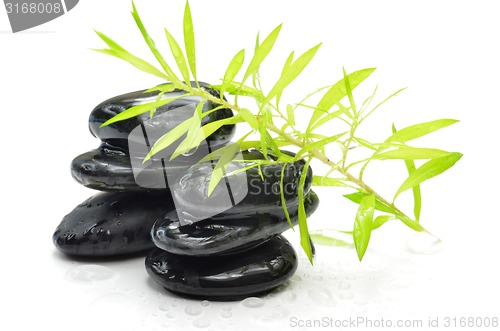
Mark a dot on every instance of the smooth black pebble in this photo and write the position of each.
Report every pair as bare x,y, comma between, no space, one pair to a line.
110,170
225,277
226,232
110,224
249,192
117,134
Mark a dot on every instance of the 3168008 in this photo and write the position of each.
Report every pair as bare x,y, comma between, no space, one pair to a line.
33,8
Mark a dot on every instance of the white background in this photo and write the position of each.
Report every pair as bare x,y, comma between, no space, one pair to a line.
446,52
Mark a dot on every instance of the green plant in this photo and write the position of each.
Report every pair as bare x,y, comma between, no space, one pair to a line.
275,126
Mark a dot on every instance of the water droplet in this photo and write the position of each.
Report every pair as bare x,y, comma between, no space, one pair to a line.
321,297
201,323
165,307
205,303
253,302
170,315
191,152
226,314
359,310
193,310
347,296
344,286
424,243
397,284
90,273
288,297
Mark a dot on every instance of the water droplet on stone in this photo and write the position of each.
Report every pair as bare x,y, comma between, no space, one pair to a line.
253,302
424,243
193,310
321,297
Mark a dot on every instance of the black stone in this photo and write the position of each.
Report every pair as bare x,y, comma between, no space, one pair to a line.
116,135
250,194
109,224
225,233
110,170
225,277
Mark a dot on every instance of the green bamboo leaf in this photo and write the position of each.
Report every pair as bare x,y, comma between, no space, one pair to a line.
255,75
417,194
164,88
262,52
415,225
381,220
189,42
327,118
293,70
321,239
319,144
138,110
135,61
110,42
202,134
358,196
337,92
221,166
169,138
348,89
419,130
428,170
302,217
178,56
410,153
291,114
282,196
328,181
285,68
263,138
235,88
149,41
249,118
274,148
365,143
233,68
363,224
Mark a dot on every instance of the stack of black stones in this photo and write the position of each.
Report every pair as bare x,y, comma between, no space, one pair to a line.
230,255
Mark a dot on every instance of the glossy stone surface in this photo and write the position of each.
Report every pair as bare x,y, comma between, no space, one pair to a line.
117,134
250,193
226,232
109,224
225,277
110,170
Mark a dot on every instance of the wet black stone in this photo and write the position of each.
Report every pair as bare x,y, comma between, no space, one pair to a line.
109,224
225,277
116,134
226,232
110,170
250,193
